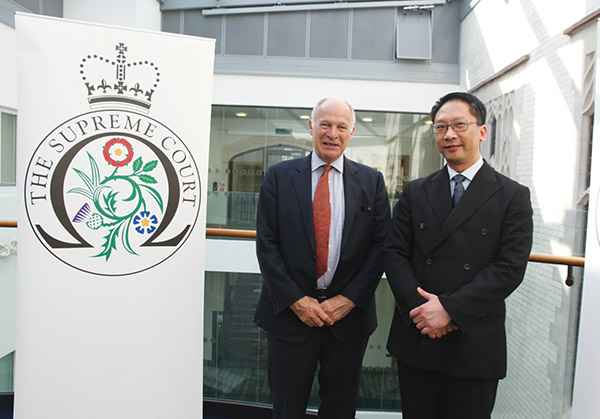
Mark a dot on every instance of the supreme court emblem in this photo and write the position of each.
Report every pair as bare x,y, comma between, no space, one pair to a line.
113,191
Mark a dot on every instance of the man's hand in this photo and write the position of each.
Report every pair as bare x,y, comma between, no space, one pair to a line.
310,312
440,333
337,307
431,318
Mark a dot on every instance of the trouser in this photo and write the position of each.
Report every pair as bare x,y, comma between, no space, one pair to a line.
292,366
435,395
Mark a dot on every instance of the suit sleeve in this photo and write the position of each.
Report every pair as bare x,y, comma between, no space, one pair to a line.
361,287
283,289
398,254
486,292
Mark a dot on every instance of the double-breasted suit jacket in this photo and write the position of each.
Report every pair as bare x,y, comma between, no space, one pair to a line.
285,246
472,257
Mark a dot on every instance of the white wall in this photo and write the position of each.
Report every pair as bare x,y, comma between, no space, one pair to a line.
8,68
305,92
141,14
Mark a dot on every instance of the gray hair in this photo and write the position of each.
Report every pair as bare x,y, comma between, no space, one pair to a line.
313,114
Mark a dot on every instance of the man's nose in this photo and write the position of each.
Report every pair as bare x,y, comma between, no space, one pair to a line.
450,133
333,132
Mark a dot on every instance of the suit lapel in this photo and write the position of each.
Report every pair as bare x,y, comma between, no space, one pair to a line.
301,181
438,193
483,186
351,194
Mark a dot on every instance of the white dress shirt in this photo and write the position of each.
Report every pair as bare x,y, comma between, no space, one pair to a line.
469,174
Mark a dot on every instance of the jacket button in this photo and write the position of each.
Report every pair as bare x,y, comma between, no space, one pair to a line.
429,262
422,226
467,266
484,231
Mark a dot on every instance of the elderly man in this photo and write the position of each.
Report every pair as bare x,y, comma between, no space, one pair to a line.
321,224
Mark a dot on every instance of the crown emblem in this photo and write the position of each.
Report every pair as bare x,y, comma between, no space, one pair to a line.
118,83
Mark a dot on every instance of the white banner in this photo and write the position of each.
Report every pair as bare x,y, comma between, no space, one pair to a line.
113,141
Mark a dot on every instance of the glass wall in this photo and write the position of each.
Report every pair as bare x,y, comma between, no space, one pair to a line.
8,149
541,323
7,372
235,349
541,330
8,297
246,141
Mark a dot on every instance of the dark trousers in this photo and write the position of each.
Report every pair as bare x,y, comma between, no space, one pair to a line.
292,367
435,395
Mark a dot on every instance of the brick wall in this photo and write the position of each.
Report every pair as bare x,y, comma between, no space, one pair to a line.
546,138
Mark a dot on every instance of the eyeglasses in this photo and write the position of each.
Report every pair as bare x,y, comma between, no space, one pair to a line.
458,126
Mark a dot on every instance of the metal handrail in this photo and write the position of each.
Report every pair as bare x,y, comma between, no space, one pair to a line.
569,261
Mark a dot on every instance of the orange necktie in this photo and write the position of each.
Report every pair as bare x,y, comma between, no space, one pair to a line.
322,221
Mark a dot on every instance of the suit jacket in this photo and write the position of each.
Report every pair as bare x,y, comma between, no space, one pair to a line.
472,257
285,246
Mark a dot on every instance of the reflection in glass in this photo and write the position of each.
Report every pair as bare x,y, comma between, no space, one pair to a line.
235,349
242,148
8,149
7,372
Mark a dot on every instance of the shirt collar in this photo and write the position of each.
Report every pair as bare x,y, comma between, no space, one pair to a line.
316,162
470,172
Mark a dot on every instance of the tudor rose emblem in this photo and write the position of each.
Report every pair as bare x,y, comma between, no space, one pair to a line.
113,191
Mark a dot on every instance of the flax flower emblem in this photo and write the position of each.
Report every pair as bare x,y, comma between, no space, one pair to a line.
145,222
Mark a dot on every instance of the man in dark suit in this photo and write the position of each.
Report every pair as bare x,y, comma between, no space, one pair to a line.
457,248
317,301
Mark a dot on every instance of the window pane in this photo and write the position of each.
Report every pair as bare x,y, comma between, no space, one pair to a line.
8,149
235,349
399,145
31,5
287,34
171,21
329,34
52,8
246,141
368,44
244,34
194,23
7,371
413,40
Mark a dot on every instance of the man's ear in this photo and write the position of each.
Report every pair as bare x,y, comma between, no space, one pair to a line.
482,133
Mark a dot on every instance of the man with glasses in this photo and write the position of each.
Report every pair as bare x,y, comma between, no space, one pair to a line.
459,245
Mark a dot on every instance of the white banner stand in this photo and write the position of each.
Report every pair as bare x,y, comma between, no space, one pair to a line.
113,140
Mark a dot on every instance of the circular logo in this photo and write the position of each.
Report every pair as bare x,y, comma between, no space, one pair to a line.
112,192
